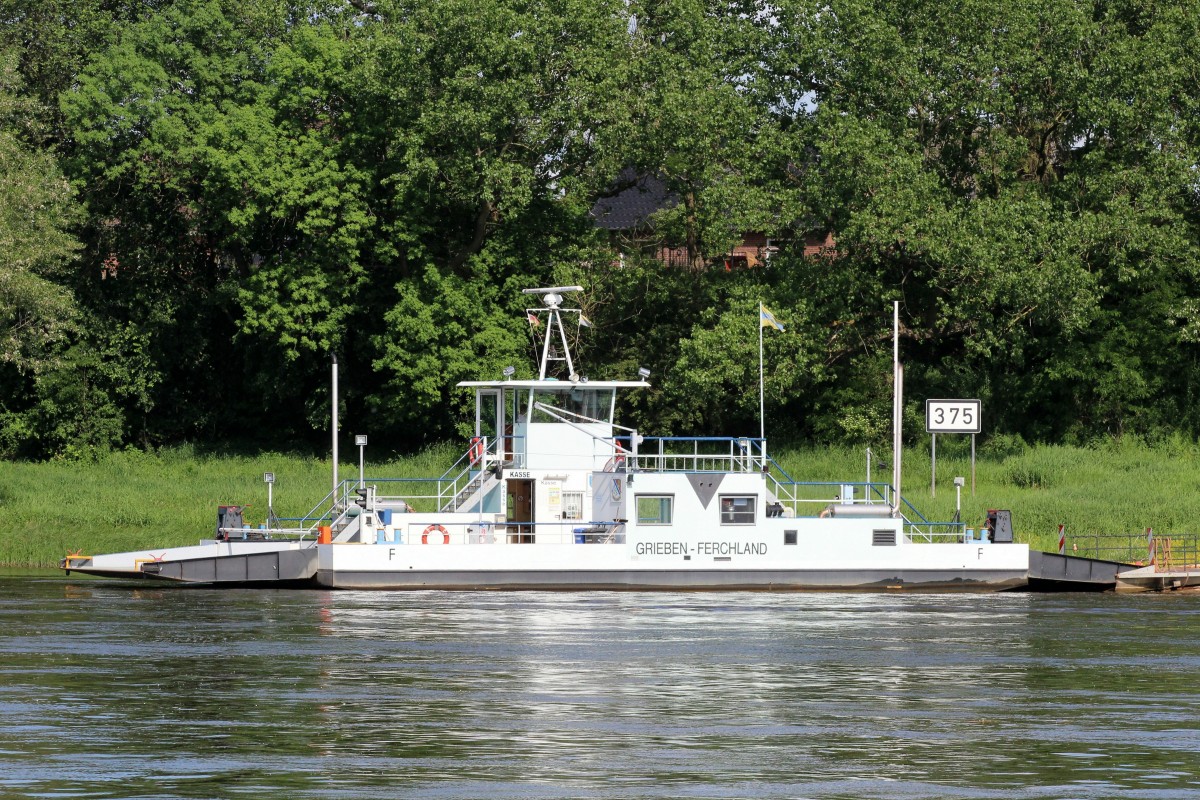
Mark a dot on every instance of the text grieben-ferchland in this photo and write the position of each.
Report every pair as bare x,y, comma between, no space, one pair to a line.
701,548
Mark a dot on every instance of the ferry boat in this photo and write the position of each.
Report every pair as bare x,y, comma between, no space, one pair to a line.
552,493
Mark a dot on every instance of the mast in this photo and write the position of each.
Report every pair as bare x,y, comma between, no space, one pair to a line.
897,408
552,297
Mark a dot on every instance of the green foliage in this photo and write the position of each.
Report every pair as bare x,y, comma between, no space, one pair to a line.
442,330
1021,176
268,182
704,125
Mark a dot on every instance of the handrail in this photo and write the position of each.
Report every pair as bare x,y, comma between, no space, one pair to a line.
514,532
746,453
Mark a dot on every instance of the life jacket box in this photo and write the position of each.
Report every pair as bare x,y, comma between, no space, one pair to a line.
1000,525
229,517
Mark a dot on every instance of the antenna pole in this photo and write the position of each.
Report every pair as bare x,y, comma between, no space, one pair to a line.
334,424
546,346
762,414
897,406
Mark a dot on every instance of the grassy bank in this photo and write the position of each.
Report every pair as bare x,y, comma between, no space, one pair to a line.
135,500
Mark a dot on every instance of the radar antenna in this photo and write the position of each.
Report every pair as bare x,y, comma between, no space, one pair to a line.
552,297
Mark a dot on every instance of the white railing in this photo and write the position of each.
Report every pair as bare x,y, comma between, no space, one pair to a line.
405,532
699,454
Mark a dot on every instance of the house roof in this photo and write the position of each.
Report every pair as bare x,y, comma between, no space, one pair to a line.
631,207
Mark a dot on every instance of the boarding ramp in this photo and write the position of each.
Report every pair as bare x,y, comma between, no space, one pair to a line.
1051,572
296,566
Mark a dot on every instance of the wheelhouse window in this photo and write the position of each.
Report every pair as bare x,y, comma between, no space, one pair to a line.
575,403
655,509
737,509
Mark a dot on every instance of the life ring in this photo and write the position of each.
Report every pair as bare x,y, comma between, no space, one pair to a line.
476,449
435,528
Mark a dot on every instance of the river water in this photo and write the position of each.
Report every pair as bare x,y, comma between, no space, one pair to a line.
111,690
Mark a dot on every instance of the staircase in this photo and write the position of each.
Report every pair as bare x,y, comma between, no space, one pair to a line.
470,492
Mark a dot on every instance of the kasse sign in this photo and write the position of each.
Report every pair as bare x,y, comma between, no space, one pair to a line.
952,416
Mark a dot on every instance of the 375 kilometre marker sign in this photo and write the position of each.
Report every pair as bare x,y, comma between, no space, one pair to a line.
952,416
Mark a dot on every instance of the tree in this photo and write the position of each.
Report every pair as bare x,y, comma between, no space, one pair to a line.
703,124
38,314
1009,171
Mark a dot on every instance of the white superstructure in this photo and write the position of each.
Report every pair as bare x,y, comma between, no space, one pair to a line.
554,494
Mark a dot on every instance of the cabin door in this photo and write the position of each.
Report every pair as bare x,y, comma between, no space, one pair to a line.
489,417
520,511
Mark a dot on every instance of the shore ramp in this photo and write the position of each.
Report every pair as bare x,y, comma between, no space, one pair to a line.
1051,572
285,567
1156,578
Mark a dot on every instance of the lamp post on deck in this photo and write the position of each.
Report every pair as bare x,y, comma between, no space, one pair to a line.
269,480
361,441
958,485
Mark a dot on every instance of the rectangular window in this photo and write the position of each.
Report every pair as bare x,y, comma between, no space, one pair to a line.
655,509
737,509
572,505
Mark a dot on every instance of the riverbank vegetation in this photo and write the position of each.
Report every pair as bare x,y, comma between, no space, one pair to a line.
133,500
202,200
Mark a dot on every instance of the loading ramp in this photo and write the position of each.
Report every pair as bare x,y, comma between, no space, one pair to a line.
1051,572
293,567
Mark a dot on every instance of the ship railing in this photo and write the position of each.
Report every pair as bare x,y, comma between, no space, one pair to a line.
415,494
484,531
920,529
809,498
265,533
325,511
460,474
484,453
696,453
937,532
420,494
336,508
812,498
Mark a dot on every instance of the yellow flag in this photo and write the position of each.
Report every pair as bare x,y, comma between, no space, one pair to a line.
766,319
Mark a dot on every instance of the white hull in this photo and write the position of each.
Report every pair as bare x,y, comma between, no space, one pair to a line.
757,561
679,580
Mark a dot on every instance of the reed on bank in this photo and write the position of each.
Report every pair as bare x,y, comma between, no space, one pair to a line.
133,500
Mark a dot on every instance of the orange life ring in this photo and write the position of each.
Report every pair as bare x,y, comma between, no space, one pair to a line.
476,449
435,528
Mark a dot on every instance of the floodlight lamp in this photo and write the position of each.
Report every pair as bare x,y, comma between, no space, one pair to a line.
643,373
508,372
360,441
